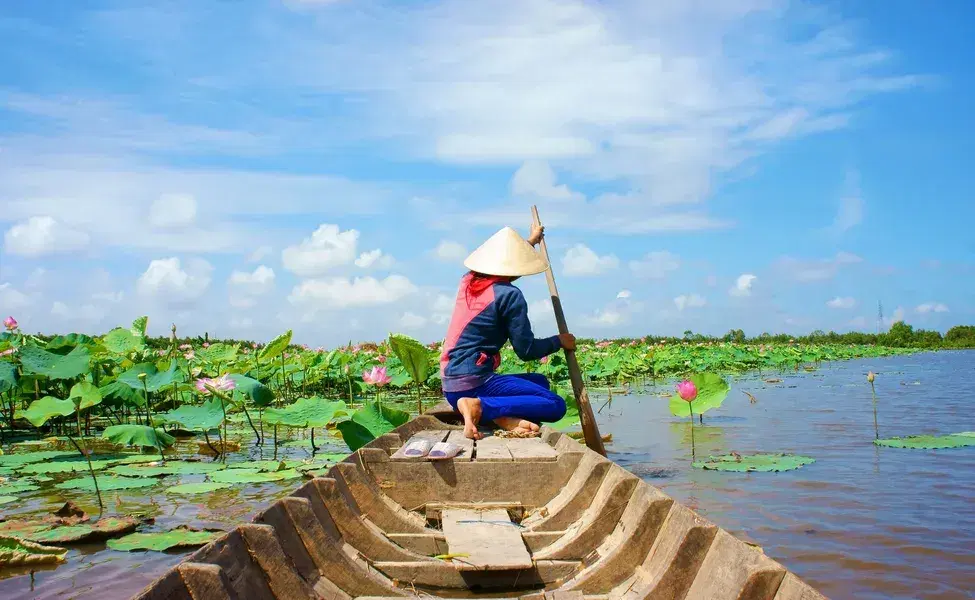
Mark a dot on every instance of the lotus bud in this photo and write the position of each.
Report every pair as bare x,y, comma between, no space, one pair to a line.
10,323
871,376
687,390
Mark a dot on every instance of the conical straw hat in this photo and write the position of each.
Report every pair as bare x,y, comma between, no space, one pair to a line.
506,254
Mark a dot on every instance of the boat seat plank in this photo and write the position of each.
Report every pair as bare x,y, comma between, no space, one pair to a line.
492,448
467,444
530,449
431,435
488,537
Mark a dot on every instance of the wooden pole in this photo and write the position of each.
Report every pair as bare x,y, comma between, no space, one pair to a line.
589,428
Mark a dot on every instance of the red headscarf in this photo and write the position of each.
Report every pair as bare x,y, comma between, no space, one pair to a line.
479,282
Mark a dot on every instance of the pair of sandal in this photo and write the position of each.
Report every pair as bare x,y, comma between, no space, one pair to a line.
425,448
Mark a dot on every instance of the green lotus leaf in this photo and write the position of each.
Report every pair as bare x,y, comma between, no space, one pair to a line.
930,442
106,483
7,500
138,435
102,529
15,552
140,326
571,417
218,353
370,422
712,389
118,394
417,359
19,460
48,407
305,412
172,467
259,394
122,341
754,462
203,417
265,465
54,366
197,488
276,346
162,541
252,476
86,393
16,487
60,342
8,376
155,379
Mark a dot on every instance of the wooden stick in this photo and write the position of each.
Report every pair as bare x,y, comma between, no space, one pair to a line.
589,428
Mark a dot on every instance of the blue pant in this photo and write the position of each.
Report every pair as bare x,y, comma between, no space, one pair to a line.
523,396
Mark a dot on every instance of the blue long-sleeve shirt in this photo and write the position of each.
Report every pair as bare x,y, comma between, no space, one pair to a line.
479,327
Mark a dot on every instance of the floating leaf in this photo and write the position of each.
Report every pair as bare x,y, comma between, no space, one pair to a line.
122,341
305,412
54,366
754,462
930,442
78,464
416,357
86,393
711,392
172,467
197,418
15,552
265,465
370,422
7,499
252,476
47,533
105,483
162,541
19,460
16,487
197,488
138,435
155,379
258,393
48,407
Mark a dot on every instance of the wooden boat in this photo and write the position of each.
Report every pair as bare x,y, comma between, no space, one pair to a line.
540,518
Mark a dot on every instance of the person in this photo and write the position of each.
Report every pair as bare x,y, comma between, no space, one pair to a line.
489,310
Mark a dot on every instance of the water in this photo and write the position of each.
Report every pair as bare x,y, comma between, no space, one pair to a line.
861,522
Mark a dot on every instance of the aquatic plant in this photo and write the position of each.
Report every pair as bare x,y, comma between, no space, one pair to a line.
687,392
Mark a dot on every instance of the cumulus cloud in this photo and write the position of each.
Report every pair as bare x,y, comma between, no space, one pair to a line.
168,280
341,292
11,298
374,259
246,287
443,308
743,285
449,251
536,178
842,302
43,235
580,261
689,301
411,320
173,211
929,307
655,265
327,248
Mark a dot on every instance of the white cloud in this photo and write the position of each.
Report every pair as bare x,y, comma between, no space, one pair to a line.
110,297
412,321
260,253
580,260
850,211
929,307
84,314
327,248
341,292
12,299
743,285
374,259
167,280
607,317
536,178
689,301
655,265
43,235
173,211
842,302
443,308
246,287
623,295
816,270
897,316
449,251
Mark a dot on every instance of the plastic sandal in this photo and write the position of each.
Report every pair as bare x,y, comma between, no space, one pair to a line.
442,450
417,448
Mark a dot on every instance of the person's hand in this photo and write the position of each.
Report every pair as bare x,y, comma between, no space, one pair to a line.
536,234
568,341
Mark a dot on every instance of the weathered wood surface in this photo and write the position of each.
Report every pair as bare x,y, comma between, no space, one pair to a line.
524,449
491,449
488,537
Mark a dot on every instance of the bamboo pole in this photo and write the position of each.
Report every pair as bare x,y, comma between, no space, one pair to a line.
589,428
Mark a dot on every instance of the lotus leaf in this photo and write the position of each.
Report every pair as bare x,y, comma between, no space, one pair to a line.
252,476
16,461
416,357
305,412
54,366
258,393
571,417
203,417
122,341
7,499
15,487
118,394
265,465
138,435
197,488
754,462
86,393
155,379
930,442
16,552
106,483
712,389
78,464
162,541
8,376
370,422
218,353
140,325
71,340
276,346
40,411
173,467
80,533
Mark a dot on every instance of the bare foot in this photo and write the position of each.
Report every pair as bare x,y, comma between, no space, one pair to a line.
470,408
516,425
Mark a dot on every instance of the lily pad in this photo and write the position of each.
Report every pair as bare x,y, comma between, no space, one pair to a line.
162,541
305,412
16,461
15,552
265,465
102,529
106,483
252,476
754,462
15,487
173,467
78,464
7,499
930,442
198,488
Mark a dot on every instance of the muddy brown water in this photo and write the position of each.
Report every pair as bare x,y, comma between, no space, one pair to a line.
861,522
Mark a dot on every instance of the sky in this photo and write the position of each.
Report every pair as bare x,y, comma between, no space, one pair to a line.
245,167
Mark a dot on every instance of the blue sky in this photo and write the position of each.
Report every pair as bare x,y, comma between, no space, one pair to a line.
325,165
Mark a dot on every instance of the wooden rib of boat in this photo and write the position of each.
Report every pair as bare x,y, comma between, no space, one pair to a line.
538,519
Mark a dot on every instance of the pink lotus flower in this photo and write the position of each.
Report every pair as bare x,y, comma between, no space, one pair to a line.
544,360
8,352
245,350
163,352
381,358
377,376
687,390
10,323
189,355
223,383
320,350
186,346
206,344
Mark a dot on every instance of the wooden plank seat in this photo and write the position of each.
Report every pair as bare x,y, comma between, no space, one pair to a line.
488,538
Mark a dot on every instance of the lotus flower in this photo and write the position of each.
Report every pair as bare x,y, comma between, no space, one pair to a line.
163,352
10,323
206,344
377,376
381,358
687,390
871,376
186,346
544,360
189,355
8,352
222,384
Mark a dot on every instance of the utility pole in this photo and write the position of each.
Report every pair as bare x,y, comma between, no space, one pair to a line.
880,317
